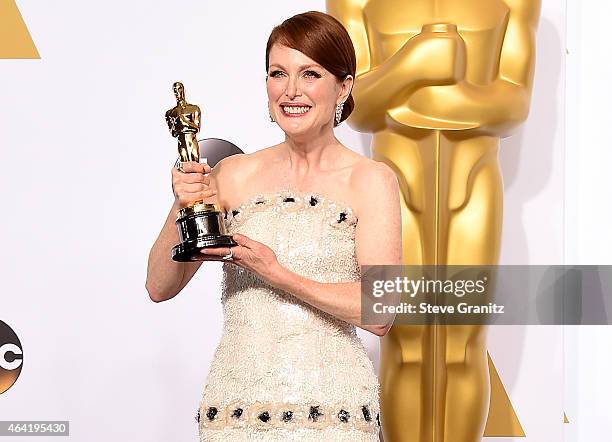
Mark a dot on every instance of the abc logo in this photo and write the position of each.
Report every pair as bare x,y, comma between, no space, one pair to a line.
11,357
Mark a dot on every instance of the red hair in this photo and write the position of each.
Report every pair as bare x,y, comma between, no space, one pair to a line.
322,38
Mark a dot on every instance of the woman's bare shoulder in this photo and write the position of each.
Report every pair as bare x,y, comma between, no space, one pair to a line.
369,177
366,168
239,164
232,173
227,163
253,157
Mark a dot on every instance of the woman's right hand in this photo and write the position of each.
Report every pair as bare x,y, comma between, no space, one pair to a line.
192,184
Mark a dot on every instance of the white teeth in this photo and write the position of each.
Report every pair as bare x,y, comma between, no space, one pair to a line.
295,109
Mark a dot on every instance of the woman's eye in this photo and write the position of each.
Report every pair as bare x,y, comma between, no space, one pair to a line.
312,74
308,74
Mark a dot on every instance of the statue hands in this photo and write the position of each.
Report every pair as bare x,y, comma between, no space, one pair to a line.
436,56
435,60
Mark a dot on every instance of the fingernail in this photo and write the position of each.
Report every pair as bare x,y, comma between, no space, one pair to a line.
203,251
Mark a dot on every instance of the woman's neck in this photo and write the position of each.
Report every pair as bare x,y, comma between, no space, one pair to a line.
318,153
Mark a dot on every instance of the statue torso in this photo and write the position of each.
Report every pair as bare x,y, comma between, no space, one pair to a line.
390,23
182,119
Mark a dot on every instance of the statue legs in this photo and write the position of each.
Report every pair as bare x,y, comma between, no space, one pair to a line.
435,379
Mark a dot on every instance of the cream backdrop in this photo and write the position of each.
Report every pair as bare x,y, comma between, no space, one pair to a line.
588,190
86,187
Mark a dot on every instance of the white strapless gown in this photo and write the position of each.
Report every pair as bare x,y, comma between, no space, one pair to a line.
285,370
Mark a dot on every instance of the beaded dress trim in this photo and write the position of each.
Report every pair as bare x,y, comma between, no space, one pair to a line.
268,415
337,214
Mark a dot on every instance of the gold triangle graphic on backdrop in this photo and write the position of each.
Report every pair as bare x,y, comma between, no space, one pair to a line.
15,39
502,420
565,419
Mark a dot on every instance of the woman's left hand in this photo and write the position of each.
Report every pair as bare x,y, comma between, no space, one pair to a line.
252,255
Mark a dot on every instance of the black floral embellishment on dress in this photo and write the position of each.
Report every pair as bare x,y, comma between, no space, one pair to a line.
366,413
314,413
211,413
287,416
264,417
334,213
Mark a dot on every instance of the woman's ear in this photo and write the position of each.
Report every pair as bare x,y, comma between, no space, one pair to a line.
345,88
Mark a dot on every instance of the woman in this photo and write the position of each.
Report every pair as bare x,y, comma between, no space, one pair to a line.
305,214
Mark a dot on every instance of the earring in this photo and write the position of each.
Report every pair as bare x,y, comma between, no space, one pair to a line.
271,118
339,112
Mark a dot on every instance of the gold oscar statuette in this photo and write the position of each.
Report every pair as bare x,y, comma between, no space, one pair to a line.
200,225
438,84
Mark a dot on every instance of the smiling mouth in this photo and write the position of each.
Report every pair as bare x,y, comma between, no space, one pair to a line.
295,111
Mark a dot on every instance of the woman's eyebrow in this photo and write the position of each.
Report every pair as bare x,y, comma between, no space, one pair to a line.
304,66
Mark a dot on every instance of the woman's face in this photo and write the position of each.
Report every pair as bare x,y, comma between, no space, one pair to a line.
302,94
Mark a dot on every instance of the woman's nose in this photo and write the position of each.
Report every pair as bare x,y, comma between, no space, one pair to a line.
292,89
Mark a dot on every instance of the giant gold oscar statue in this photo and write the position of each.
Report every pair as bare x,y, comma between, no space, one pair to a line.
439,82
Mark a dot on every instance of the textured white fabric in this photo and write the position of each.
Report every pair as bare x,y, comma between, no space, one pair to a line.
280,356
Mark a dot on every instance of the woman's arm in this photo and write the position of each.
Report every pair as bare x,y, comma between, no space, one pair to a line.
165,277
378,241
